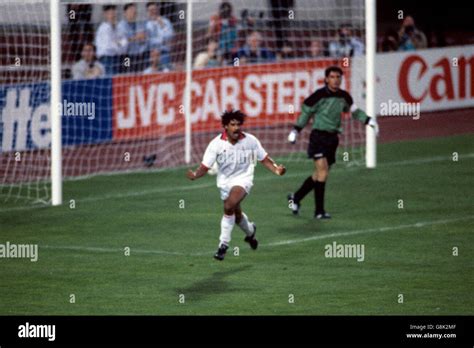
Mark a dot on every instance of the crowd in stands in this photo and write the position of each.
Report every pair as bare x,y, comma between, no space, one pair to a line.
127,46
407,38
134,46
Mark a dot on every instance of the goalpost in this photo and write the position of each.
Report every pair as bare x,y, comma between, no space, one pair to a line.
371,43
165,117
56,145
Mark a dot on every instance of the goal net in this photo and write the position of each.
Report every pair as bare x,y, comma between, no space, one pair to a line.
144,83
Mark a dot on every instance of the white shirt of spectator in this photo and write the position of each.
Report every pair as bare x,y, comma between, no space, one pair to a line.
159,35
109,41
125,29
359,47
84,70
236,163
338,49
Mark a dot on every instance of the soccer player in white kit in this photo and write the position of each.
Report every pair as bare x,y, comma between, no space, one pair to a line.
236,154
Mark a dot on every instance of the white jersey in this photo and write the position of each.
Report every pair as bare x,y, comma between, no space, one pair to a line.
235,163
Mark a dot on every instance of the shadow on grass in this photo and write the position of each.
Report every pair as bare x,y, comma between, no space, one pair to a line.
213,285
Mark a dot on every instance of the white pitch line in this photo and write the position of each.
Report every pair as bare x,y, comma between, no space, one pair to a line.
274,244
257,178
371,230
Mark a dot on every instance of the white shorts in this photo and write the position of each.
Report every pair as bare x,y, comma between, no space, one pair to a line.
225,190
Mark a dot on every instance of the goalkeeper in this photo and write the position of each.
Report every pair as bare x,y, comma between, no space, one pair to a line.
325,105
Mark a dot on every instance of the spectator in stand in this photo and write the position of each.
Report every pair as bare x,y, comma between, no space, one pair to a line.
287,51
253,52
315,49
109,42
80,30
88,67
247,21
280,10
346,45
223,29
160,32
155,63
208,58
135,33
390,41
410,38
250,21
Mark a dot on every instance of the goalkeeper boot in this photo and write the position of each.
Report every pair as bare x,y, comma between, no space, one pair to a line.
294,206
220,254
251,239
321,216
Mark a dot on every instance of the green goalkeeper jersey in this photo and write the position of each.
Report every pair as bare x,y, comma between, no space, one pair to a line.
326,108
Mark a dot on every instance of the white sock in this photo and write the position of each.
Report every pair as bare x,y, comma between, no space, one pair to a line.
227,223
245,225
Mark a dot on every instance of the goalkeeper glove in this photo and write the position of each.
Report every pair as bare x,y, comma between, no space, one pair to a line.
372,122
292,136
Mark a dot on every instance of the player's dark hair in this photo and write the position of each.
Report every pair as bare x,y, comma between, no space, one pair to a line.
333,69
105,8
228,116
126,6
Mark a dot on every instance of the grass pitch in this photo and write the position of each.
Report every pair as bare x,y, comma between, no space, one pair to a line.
408,251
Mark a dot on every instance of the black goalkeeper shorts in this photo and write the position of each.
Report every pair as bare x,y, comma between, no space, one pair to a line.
323,144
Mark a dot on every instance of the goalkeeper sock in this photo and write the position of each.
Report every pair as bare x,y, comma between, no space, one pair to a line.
319,196
245,225
227,224
304,189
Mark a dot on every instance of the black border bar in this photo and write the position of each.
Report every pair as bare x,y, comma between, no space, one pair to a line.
349,330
